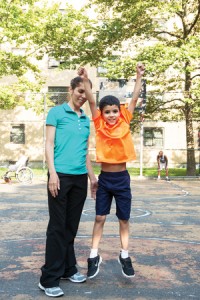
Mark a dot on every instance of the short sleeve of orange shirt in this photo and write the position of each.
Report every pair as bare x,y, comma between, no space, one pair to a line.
114,143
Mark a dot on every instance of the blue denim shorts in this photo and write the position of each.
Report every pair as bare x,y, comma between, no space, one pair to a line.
117,185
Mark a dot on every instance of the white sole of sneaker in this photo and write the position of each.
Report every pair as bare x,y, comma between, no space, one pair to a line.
131,276
46,293
41,287
76,281
100,261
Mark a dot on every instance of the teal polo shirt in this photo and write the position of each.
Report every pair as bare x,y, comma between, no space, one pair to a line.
71,139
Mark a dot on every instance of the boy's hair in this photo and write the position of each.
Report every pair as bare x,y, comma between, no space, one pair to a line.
76,81
109,100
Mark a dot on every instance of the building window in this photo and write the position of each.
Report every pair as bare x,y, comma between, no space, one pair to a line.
55,63
17,134
19,51
58,94
153,137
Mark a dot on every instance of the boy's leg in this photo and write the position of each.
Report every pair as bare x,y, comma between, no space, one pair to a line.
103,204
95,259
97,231
123,204
124,259
124,234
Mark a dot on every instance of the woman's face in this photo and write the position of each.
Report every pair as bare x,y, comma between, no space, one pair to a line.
78,97
110,114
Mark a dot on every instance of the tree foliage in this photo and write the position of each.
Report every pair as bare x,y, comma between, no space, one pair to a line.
30,29
165,35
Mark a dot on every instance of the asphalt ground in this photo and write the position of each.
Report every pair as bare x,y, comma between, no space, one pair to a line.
164,243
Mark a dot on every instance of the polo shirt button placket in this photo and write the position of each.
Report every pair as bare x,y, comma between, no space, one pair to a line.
79,125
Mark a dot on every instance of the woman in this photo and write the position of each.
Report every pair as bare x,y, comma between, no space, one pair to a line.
67,134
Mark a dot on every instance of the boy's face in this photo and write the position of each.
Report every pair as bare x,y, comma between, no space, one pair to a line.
78,97
110,114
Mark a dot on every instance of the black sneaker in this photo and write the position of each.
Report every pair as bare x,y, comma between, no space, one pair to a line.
93,266
127,268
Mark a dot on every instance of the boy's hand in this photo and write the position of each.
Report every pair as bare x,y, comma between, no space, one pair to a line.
83,73
140,68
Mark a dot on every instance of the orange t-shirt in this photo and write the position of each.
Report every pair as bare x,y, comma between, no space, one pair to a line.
114,142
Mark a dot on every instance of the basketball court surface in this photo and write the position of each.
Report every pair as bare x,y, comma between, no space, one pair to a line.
164,243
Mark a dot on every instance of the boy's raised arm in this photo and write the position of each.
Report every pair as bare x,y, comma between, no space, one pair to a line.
136,92
88,91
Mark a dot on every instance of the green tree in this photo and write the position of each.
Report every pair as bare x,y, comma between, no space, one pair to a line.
165,34
33,28
20,23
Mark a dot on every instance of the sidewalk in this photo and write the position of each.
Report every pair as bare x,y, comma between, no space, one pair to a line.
164,244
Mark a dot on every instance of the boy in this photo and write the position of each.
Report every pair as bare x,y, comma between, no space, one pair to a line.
114,147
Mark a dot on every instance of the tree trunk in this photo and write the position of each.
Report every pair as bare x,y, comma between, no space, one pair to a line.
191,164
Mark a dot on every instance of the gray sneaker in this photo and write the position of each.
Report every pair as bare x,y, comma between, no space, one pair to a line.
77,277
52,292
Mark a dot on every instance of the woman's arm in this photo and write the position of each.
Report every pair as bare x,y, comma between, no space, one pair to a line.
88,91
54,182
92,177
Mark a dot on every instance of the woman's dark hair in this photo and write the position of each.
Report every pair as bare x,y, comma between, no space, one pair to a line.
109,100
76,81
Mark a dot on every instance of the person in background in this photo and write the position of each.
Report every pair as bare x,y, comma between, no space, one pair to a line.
67,133
22,161
114,147
162,161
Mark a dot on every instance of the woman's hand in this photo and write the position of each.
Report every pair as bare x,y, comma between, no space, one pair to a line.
54,184
83,73
93,187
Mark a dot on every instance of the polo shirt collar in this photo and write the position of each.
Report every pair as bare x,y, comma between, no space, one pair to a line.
68,109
